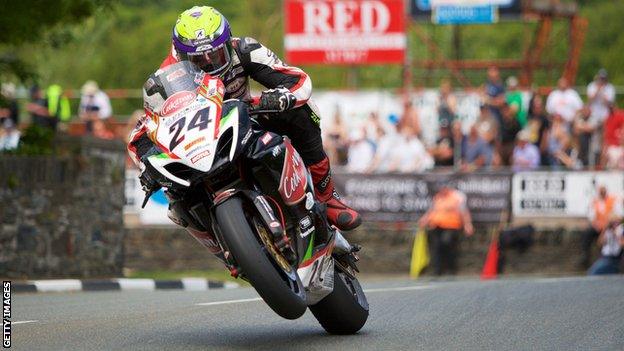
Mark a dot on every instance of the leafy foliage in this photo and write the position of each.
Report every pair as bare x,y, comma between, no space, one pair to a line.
39,22
35,141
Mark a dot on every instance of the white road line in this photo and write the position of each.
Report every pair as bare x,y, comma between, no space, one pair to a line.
564,279
23,322
227,302
403,288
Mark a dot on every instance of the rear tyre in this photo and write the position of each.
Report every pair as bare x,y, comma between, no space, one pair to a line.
345,310
268,280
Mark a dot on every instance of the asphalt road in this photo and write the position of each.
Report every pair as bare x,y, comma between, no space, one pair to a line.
519,314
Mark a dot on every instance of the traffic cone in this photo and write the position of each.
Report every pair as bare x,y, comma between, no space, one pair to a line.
490,268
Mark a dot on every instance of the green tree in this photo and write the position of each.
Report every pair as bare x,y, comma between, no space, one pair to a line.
30,21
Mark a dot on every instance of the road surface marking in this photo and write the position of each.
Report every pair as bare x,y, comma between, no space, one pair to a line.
227,302
403,288
23,322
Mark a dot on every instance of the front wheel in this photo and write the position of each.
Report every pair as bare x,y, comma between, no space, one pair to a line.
345,310
277,289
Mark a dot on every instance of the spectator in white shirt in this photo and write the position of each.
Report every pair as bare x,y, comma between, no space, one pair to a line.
564,101
361,152
386,147
600,95
94,104
410,155
612,241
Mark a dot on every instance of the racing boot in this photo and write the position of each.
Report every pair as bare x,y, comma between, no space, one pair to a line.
338,213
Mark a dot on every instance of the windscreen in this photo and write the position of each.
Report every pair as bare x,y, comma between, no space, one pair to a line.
178,77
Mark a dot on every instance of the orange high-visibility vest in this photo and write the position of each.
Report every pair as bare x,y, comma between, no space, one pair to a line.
446,212
602,210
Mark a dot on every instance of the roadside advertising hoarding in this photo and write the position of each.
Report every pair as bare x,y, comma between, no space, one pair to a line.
560,194
344,32
406,197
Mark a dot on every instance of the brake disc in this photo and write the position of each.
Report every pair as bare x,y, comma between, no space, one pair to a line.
268,243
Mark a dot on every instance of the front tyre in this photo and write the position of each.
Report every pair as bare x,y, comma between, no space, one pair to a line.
345,310
255,263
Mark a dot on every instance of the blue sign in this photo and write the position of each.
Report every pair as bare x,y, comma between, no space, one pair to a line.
479,12
464,14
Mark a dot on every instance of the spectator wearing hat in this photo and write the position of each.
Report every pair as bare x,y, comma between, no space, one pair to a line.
94,105
526,156
515,101
447,217
600,96
564,101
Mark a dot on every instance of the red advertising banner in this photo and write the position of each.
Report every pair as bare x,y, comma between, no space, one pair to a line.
344,31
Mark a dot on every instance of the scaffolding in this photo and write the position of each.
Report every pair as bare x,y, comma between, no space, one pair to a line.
542,12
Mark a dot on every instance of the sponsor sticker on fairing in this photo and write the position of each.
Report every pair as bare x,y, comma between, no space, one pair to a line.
266,138
305,223
176,74
176,101
199,156
309,201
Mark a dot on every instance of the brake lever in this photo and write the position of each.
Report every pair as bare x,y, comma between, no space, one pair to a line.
148,194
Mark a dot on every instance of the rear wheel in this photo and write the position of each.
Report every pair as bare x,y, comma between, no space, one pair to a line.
345,310
281,290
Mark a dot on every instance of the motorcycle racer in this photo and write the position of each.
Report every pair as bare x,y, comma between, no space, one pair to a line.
202,36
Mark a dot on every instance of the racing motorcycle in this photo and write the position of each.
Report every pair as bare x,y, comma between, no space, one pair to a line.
245,194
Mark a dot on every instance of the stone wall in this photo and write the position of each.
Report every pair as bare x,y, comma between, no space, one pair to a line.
61,216
387,249
166,248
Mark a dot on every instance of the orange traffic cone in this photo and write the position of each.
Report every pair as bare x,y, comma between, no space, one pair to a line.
490,268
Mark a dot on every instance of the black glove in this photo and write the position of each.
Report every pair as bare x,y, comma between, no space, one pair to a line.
149,175
148,183
278,99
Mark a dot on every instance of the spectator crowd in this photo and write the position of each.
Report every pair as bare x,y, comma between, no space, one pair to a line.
514,129
50,109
